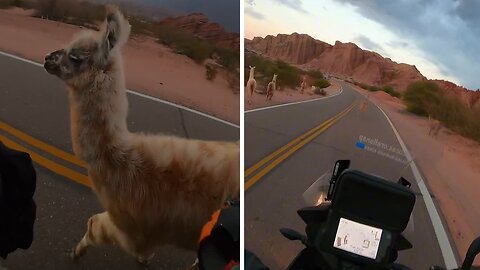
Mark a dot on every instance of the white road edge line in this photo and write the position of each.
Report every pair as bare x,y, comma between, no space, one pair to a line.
139,94
293,103
440,232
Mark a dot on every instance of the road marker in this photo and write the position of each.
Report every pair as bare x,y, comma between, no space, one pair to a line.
440,232
41,145
53,166
262,162
301,142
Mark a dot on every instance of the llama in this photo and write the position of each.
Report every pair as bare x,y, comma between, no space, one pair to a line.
271,87
156,189
363,105
303,85
251,84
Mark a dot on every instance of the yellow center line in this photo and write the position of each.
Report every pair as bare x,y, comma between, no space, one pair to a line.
41,145
284,156
266,159
53,166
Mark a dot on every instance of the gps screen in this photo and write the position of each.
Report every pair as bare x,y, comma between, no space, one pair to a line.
358,238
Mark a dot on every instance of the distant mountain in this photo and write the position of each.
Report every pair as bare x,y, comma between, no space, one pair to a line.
223,12
347,60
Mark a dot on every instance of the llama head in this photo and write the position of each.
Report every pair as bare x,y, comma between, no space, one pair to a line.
274,78
91,52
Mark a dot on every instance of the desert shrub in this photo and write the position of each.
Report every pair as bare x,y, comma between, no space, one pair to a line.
288,75
421,97
26,4
184,43
320,91
322,83
315,74
230,59
70,11
426,98
210,72
389,90
141,26
372,88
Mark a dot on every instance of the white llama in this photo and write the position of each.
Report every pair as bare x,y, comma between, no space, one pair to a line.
271,87
251,84
156,189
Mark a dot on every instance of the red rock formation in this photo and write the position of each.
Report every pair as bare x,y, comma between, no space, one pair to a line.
472,98
342,59
294,48
199,25
348,61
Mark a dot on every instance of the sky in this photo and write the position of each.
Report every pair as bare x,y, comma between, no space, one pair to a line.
440,37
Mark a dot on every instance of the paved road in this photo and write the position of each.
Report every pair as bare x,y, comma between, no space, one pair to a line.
271,202
36,103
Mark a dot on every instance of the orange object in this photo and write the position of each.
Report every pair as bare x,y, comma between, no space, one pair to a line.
230,265
208,227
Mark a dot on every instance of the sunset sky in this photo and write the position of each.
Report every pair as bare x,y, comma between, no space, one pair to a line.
440,37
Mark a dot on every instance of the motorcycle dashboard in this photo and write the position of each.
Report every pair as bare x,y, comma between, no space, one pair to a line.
354,241
358,238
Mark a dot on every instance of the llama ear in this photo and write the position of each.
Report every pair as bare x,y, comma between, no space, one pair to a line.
117,28
112,31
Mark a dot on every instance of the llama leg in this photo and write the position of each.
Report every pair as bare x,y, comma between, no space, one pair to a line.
91,237
99,232
194,266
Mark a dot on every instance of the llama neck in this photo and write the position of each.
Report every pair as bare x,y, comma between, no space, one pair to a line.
251,73
98,118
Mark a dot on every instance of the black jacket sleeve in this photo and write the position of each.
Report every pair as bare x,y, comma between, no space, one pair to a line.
17,207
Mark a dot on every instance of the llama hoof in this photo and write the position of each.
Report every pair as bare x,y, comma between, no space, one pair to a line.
195,264
73,254
145,261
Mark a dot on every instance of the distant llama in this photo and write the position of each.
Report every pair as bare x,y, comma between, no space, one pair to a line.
156,189
434,126
271,87
251,84
363,105
303,85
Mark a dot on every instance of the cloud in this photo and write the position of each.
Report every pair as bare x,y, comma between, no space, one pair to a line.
467,10
293,4
398,44
446,32
369,44
254,14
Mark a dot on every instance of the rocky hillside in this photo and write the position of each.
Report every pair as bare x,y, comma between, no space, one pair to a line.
348,61
472,98
342,59
294,48
199,25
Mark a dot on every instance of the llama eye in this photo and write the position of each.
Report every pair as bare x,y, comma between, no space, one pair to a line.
74,58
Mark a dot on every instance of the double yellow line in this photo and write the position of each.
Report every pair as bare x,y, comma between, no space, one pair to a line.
45,162
287,150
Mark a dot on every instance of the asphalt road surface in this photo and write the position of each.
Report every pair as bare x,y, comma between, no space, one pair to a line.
275,193
35,103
